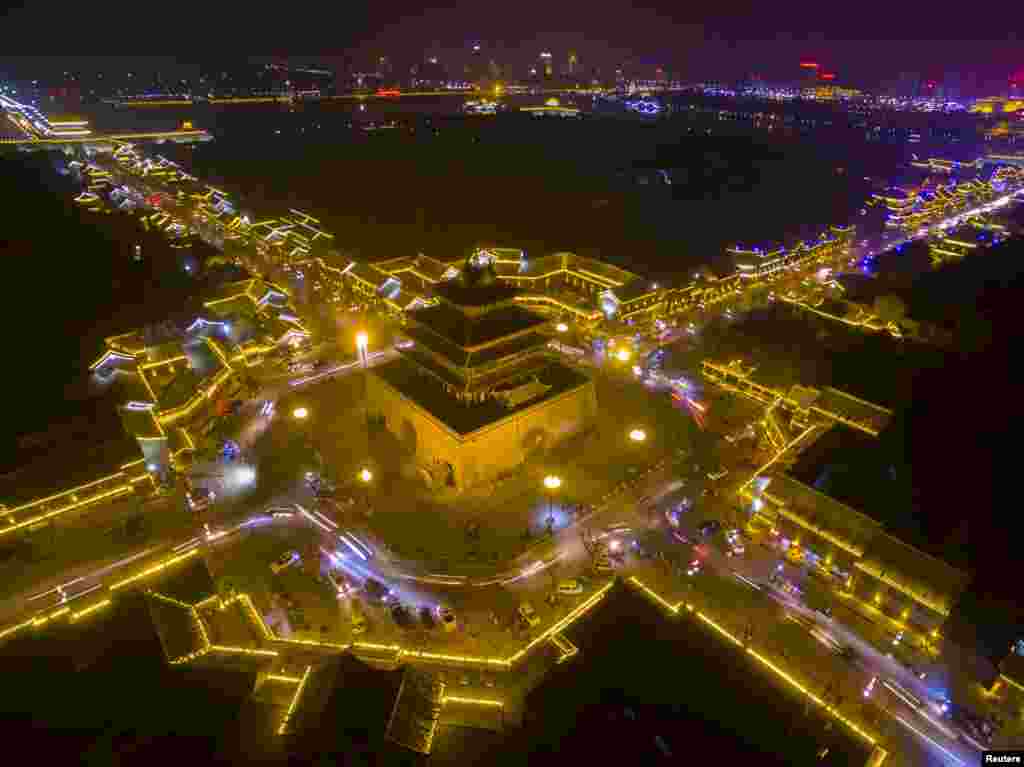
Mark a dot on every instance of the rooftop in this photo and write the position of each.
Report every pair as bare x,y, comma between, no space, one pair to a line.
406,378
471,332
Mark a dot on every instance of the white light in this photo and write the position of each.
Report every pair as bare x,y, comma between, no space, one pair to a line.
561,327
638,435
300,412
552,482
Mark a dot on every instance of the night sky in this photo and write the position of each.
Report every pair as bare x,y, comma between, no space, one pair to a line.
866,43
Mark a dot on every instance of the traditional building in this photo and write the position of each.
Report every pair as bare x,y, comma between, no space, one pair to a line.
478,391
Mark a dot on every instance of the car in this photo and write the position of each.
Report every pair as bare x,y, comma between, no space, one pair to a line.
447,618
358,623
427,617
572,586
847,653
376,591
603,565
284,561
528,614
710,527
401,615
199,499
340,582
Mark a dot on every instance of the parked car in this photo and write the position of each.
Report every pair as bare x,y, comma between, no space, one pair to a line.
710,527
377,591
199,499
358,623
284,561
603,565
447,618
401,615
570,587
528,614
340,582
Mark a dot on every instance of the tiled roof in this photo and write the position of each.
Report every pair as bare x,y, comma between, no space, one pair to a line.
924,578
452,325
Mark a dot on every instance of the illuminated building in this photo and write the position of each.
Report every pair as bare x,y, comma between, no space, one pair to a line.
477,392
997,105
552,108
169,388
893,577
757,263
545,67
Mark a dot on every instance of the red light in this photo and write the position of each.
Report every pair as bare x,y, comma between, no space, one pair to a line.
389,92
828,76
809,64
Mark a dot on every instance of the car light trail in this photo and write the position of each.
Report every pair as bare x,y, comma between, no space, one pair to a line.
55,589
327,520
123,562
314,520
927,738
352,546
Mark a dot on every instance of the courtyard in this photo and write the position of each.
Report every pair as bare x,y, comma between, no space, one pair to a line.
485,525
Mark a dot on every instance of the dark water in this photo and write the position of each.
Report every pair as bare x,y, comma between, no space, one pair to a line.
440,183
71,282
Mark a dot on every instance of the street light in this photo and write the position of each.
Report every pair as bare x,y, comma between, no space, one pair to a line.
365,476
561,327
638,435
622,355
362,340
552,483
300,412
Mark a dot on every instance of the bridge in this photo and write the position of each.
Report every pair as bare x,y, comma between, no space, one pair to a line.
28,128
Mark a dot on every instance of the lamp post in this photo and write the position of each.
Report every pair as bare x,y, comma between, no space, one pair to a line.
366,477
551,484
362,341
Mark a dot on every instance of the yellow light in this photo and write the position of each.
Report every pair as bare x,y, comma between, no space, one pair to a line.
300,412
365,475
878,598
295,701
472,701
561,327
551,482
622,355
638,435
362,340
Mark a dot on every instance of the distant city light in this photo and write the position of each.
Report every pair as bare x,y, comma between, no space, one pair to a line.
300,412
638,435
622,355
365,475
